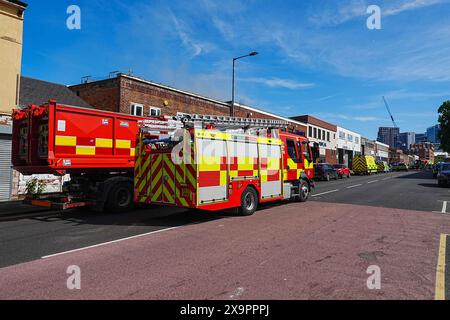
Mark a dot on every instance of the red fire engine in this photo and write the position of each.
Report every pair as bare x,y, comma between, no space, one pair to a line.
216,163
97,149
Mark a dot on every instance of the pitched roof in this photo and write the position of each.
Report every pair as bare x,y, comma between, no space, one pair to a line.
33,91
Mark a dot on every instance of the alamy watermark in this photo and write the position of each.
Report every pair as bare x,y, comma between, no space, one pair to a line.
374,20
73,22
374,280
74,280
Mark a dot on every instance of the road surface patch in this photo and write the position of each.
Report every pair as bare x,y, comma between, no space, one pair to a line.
109,242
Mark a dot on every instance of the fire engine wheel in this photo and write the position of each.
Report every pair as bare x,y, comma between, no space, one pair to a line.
303,192
120,198
249,202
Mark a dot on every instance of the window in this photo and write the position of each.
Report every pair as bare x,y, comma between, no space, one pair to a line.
350,138
155,112
292,150
315,132
342,135
328,137
323,135
356,140
310,132
305,151
137,109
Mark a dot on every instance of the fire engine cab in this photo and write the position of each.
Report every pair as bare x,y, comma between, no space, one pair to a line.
215,163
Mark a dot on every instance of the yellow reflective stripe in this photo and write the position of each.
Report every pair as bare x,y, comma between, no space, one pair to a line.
274,163
123,144
65,141
103,143
85,151
207,134
223,178
209,163
132,152
270,141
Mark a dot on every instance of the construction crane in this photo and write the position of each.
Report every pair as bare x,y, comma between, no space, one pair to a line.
390,113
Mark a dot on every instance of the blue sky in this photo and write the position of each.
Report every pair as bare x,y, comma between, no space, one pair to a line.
316,57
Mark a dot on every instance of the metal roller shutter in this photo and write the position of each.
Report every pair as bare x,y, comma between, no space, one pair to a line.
5,169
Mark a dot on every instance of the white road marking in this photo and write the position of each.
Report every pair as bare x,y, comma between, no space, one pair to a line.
109,242
372,181
357,185
444,207
386,179
321,194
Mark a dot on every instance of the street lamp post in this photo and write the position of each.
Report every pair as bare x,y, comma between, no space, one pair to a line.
234,74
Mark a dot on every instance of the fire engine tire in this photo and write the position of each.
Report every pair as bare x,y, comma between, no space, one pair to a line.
303,192
120,198
249,202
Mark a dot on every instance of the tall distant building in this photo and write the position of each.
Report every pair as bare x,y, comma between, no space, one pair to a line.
433,134
389,136
406,139
421,138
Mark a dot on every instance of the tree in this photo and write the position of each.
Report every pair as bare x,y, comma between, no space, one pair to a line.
444,121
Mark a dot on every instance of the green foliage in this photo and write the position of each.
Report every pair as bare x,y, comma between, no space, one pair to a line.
444,121
35,187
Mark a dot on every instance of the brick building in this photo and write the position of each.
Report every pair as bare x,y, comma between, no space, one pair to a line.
425,151
323,136
132,95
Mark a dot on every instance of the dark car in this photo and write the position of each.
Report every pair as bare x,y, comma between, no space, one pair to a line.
400,167
342,170
443,174
436,169
325,171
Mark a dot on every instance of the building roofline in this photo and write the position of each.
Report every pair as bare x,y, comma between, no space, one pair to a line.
271,114
315,118
162,86
338,127
15,3
382,144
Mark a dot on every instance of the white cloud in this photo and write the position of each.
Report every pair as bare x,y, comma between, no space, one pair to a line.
411,5
280,83
196,47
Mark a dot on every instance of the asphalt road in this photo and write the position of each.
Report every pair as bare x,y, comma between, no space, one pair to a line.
385,200
403,190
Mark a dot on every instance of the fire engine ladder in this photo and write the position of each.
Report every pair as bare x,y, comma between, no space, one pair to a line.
223,122
166,128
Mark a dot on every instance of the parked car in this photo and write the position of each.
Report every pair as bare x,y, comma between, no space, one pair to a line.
399,167
342,170
325,171
436,169
443,174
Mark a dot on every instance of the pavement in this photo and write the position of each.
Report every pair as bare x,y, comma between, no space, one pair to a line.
17,209
315,250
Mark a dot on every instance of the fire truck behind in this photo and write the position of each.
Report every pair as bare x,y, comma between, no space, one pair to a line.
216,163
97,149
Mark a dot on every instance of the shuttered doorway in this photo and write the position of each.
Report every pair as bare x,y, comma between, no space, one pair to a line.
5,168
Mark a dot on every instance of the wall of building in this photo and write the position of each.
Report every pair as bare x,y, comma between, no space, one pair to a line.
382,151
368,147
11,30
103,95
389,135
134,90
348,140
